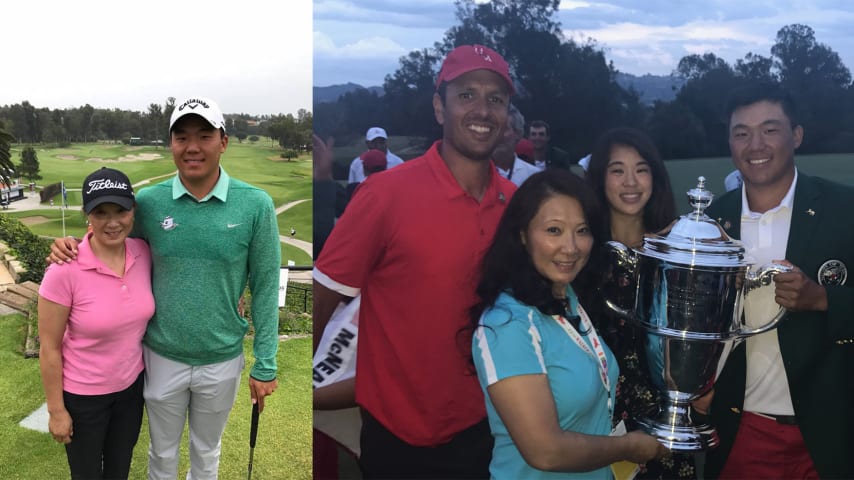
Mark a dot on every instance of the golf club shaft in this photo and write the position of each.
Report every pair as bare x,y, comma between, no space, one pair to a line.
253,434
253,431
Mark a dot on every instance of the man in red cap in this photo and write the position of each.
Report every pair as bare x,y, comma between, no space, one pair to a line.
410,244
372,161
525,150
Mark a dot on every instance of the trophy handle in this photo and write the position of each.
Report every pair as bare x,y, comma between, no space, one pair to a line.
762,278
625,313
622,271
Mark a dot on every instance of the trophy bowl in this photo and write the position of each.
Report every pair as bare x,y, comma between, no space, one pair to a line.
686,289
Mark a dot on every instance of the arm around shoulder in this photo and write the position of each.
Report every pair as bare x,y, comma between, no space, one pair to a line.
63,249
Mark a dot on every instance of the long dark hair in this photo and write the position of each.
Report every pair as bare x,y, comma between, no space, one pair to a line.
660,210
507,265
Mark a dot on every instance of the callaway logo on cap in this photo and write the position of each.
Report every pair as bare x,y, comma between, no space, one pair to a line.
203,107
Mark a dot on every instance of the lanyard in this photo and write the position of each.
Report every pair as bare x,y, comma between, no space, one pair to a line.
597,354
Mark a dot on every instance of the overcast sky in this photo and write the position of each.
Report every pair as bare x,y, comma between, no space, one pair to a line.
362,40
251,56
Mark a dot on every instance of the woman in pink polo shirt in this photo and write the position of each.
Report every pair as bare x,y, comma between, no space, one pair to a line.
92,316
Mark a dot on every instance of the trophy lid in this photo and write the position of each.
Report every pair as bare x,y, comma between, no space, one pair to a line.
695,239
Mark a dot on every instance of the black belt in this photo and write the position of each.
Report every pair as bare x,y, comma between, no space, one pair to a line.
782,419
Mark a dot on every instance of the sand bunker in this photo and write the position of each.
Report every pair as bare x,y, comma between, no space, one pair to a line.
128,158
140,156
35,220
125,158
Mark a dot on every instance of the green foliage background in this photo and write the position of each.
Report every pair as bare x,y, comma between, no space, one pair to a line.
256,163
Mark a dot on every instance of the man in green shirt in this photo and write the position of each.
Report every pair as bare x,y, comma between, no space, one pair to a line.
209,234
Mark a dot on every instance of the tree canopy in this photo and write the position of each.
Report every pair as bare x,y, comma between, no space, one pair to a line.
6,164
32,125
571,85
29,167
811,72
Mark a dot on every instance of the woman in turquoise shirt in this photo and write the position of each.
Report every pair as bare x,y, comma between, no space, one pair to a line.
548,380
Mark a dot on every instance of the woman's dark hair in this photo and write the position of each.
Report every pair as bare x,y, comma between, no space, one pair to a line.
660,210
507,266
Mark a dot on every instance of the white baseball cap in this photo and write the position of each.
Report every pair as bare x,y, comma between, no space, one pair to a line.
375,132
203,107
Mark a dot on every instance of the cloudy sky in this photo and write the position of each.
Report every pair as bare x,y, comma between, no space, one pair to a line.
361,40
252,56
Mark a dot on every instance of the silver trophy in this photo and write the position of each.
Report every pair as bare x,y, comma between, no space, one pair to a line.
687,289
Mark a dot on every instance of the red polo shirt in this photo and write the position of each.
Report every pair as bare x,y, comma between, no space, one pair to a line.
411,242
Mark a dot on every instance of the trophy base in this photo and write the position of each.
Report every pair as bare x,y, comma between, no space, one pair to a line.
678,433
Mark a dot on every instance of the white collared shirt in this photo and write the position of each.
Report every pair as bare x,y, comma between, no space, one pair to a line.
765,236
521,171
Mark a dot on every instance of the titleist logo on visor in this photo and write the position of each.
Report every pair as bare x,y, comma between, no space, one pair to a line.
105,184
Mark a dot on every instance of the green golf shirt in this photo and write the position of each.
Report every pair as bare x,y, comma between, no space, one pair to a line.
203,252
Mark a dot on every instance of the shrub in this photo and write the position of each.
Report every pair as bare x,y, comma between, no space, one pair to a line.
26,246
290,154
295,318
253,138
291,323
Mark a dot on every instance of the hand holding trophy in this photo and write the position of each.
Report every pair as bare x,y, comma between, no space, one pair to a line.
686,288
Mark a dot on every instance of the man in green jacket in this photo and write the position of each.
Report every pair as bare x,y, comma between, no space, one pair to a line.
783,401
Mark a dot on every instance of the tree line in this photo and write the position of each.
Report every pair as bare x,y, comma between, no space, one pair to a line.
29,124
573,87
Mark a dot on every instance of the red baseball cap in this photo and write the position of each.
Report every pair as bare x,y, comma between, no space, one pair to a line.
373,160
467,58
525,148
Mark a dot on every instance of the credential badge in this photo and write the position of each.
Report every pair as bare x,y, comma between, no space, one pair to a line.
168,223
832,272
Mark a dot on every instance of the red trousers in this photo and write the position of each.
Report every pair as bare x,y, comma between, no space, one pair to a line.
764,448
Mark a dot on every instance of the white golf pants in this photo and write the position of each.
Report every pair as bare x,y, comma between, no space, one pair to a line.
203,395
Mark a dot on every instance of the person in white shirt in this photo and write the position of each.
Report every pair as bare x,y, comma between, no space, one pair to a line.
375,139
509,165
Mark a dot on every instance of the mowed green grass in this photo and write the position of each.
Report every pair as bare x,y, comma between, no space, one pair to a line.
282,451
256,163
